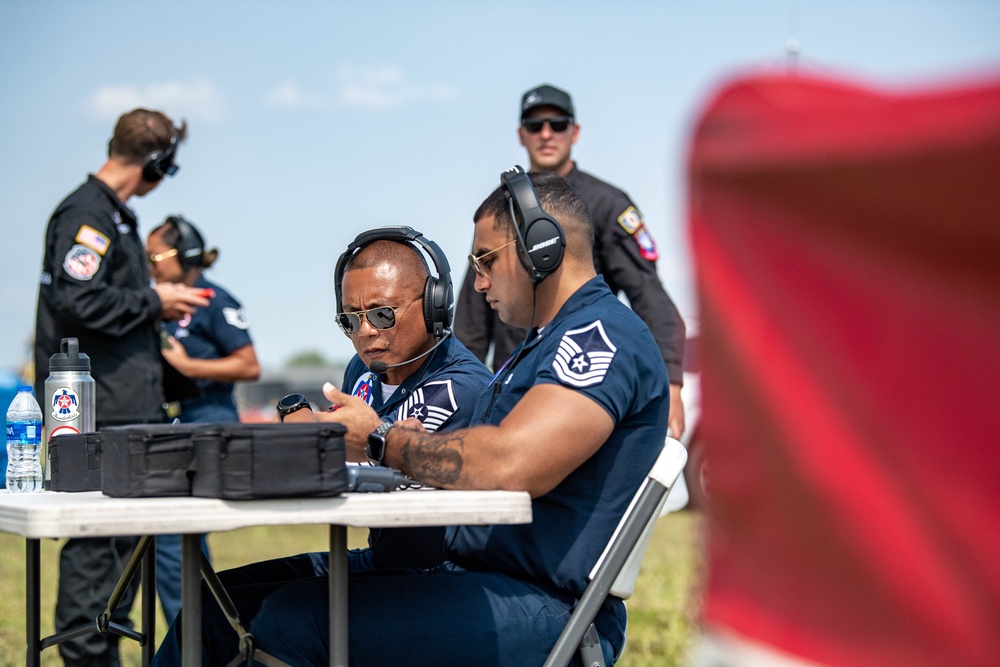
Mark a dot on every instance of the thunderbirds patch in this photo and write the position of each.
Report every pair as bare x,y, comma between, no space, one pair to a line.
81,262
433,404
583,356
363,387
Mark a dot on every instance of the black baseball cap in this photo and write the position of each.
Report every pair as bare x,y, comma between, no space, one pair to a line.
546,95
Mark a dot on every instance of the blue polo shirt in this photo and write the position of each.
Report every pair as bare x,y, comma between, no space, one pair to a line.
213,332
441,393
597,346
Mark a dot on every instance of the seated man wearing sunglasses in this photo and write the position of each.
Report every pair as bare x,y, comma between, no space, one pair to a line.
403,371
624,251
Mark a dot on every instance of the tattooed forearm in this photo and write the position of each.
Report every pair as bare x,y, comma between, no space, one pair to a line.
434,459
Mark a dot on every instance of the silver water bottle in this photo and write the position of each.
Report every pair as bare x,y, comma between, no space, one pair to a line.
69,395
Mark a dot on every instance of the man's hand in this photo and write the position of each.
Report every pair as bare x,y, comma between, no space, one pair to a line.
356,415
177,300
176,355
675,422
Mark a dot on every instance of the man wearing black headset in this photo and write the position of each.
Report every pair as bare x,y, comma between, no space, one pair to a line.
624,251
95,286
576,418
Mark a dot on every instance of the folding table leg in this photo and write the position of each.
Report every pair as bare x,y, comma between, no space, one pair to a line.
338,596
33,591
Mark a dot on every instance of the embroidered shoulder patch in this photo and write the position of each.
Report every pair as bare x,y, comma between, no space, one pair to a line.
81,262
647,246
235,317
432,403
92,238
363,387
630,220
583,356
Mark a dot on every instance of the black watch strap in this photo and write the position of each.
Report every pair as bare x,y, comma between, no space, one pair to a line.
291,403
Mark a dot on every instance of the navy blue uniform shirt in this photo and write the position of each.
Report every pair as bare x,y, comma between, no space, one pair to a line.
213,332
440,393
597,346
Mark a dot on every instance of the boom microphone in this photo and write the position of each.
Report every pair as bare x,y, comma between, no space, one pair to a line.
379,367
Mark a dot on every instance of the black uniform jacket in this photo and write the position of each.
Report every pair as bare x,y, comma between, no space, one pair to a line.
95,286
623,253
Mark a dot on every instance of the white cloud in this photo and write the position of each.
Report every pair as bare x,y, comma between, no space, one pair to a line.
387,88
199,99
374,88
290,95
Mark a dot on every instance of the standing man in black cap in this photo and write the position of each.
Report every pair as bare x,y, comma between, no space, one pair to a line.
624,252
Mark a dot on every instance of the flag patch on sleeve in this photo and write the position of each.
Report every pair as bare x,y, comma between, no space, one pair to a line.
433,404
583,356
630,220
93,239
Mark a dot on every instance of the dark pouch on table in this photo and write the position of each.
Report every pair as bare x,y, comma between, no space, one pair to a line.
147,460
75,462
244,461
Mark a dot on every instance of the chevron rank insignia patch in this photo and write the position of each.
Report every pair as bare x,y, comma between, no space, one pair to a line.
432,403
583,356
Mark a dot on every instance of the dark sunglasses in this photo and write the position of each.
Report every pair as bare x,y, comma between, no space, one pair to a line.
383,317
557,123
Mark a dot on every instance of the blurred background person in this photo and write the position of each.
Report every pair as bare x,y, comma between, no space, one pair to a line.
624,251
211,346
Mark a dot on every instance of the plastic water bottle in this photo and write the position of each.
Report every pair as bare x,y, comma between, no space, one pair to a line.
24,443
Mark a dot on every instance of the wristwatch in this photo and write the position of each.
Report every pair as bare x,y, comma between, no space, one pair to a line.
291,403
375,449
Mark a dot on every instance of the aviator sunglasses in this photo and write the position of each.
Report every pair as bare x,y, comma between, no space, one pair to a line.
557,123
383,317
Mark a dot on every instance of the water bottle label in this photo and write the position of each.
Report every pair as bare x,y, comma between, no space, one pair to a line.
27,432
65,404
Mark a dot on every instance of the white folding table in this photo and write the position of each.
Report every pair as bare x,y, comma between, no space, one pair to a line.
54,515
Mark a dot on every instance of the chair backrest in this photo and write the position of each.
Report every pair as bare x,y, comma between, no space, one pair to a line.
667,468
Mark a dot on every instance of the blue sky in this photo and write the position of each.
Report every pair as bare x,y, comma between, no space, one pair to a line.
313,121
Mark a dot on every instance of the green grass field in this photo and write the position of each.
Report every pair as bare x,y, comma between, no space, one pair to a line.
661,612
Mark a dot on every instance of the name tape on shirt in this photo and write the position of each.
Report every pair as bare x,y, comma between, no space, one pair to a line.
93,239
584,356
432,403
631,222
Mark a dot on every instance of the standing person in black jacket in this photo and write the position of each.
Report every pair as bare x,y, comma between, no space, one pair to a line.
624,252
95,286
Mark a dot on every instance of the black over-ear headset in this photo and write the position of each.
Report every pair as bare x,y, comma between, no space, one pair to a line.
190,245
439,295
160,163
541,242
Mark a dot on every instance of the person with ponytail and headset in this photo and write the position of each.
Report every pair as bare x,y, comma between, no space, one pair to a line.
576,418
211,346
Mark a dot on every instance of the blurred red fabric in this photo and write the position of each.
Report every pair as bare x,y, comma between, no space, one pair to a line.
847,243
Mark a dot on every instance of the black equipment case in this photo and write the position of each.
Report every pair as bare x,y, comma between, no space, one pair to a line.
147,460
242,461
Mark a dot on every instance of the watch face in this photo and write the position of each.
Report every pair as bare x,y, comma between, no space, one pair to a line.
291,403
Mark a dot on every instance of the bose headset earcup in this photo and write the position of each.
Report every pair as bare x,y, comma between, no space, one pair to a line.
190,245
439,296
541,240
160,163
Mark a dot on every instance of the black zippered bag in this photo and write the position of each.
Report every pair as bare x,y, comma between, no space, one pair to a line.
75,462
147,460
244,461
